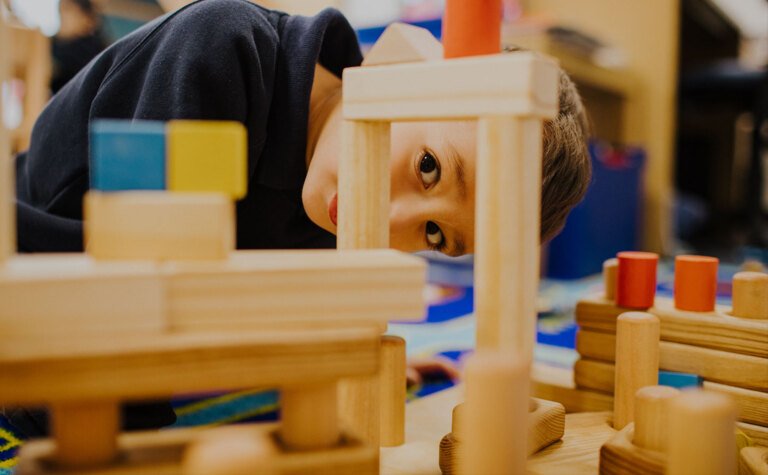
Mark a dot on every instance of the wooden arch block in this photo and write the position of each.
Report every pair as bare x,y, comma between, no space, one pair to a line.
402,43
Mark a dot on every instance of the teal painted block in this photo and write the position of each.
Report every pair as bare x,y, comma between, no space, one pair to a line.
679,380
127,155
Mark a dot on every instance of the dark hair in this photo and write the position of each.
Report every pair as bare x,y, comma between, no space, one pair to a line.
567,170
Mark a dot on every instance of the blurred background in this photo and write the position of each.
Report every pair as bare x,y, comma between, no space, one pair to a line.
676,91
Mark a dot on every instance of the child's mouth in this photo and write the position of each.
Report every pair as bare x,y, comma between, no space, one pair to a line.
332,209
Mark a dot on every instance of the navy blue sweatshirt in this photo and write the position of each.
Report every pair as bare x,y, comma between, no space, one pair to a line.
213,59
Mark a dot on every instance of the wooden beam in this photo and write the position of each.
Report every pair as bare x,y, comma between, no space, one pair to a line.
7,170
522,84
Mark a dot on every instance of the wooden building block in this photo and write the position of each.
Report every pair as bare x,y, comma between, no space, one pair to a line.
403,43
7,166
718,330
620,456
753,461
127,155
636,279
695,283
750,295
757,434
610,270
594,375
496,411
753,405
129,368
254,289
208,156
509,84
85,433
360,408
472,28
701,428
158,225
223,451
45,296
309,416
651,413
637,361
393,391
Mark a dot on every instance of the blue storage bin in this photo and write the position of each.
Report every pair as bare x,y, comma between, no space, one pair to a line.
607,221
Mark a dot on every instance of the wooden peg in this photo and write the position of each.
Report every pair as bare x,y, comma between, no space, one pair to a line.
309,416
85,433
701,434
495,424
403,43
610,268
636,279
651,403
471,28
750,295
637,362
695,283
393,391
223,451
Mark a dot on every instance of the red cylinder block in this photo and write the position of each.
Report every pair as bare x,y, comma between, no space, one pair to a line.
471,27
636,279
695,283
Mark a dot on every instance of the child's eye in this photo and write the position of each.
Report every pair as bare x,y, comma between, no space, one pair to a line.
434,236
429,169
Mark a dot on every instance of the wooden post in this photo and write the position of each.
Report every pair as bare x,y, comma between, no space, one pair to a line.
85,433
494,429
308,416
750,295
392,388
701,434
651,415
637,362
7,172
363,223
224,451
507,233
610,268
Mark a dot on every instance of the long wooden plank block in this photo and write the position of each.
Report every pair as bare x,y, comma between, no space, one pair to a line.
718,330
511,84
158,366
7,168
71,295
319,287
720,366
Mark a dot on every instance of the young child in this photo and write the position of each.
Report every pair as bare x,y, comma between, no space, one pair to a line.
280,76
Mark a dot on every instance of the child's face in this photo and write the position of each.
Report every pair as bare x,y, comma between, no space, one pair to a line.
432,187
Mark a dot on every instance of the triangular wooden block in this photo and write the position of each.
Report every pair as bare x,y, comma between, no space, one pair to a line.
402,43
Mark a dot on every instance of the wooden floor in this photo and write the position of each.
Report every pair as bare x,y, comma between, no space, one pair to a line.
429,419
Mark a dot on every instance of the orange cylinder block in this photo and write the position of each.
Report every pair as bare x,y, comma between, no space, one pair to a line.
695,283
471,27
636,279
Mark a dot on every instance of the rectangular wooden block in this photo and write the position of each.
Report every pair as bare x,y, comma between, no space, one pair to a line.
505,84
158,225
717,330
720,366
49,296
251,289
546,424
135,367
127,155
208,156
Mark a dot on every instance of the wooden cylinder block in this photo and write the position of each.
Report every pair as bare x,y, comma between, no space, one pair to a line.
85,433
494,429
750,295
610,269
695,283
637,362
636,279
393,389
309,416
701,434
651,403
223,451
471,27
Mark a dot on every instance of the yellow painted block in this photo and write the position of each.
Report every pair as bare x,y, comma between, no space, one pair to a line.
207,156
159,225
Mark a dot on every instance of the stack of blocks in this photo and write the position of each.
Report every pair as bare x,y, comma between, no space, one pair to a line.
628,333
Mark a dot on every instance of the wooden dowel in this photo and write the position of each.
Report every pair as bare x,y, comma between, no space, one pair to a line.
701,434
637,362
309,416
750,295
360,409
230,451
494,428
610,268
393,391
85,433
651,413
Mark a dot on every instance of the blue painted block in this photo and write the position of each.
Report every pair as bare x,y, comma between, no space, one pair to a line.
127,155
679,380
